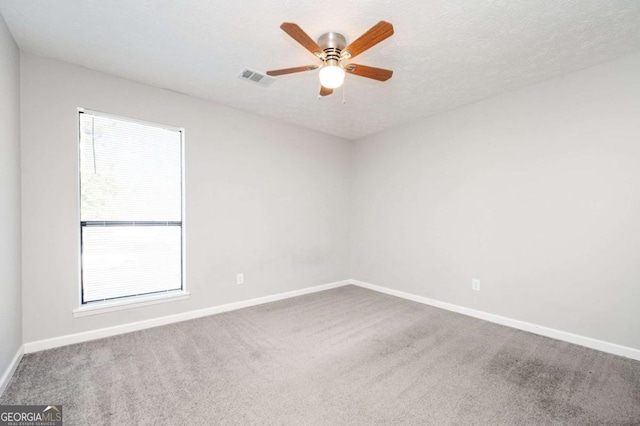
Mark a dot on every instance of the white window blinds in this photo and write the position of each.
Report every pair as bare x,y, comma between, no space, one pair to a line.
130,208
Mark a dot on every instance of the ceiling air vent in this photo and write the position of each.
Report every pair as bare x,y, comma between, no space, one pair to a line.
256,77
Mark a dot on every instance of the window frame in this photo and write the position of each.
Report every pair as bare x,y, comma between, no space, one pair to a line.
126,302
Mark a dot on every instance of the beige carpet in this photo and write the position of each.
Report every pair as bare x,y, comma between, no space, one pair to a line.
343,356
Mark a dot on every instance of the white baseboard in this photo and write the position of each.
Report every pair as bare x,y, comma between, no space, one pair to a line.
70,339
8,373
141,325
588,342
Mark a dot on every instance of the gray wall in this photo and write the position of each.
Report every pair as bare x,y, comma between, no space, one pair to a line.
262,198
535,193
10,292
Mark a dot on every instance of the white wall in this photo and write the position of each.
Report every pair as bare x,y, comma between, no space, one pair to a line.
10,293
262,198
535,192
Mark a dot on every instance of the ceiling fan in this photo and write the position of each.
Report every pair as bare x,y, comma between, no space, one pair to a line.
332,50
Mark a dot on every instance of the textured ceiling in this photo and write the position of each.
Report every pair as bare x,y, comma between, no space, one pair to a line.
444,53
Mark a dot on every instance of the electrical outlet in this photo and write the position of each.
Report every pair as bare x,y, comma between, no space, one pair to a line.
475,285
240,279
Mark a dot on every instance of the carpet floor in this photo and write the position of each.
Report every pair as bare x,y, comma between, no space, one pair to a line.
345,356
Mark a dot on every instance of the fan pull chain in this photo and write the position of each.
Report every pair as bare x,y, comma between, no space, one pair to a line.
344,101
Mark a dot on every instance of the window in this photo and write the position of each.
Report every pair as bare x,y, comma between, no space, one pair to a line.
131,232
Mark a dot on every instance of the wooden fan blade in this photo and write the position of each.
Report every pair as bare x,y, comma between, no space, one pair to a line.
291,70
369,72
325,91
296,33
380,31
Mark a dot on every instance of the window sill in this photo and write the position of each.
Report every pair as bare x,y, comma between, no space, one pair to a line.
95,308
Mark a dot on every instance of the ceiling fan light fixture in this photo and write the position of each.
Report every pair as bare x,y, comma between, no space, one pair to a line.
331,76
333,51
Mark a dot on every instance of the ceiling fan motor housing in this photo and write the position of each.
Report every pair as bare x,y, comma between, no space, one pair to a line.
332,44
